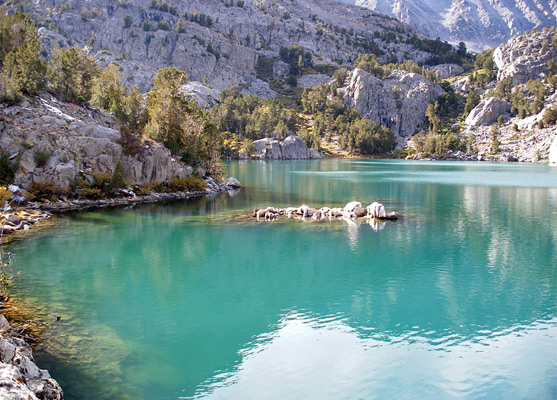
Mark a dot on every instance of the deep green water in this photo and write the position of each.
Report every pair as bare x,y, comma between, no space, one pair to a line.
457,300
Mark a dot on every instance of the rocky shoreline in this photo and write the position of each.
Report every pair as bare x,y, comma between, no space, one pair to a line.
25,216
20,378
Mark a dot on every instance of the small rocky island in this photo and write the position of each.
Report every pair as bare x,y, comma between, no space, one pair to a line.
350,211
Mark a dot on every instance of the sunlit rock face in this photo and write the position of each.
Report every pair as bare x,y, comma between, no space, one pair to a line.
291,148
77,140
397,102
479,23
525,57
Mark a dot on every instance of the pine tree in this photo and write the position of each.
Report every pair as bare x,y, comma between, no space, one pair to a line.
107,91
71,72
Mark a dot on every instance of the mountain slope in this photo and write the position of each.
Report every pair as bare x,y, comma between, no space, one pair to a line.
479,23
220,41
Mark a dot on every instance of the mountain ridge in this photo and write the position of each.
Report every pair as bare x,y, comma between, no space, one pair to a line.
225,43
480,24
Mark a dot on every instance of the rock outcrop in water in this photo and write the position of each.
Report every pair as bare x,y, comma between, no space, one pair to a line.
350,211
20,378
291,148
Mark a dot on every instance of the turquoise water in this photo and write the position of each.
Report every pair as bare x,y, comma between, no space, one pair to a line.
456,300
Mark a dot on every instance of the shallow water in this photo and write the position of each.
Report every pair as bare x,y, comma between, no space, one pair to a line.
191,300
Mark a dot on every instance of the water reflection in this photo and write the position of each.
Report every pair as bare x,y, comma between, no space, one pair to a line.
324,358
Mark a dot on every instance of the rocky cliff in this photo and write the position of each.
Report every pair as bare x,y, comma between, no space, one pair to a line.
221,42
397,102
552,158
525,57
523,139
54,141
479,23
488,111
291,148
20,378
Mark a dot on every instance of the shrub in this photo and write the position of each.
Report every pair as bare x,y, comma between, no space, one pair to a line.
550,116
41,157
127,21
46,190
195,184
117,180
91,193
101,181
164,25
148,188
7,171
5,194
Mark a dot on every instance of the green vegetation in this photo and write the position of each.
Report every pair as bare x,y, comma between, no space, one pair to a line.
127,21
550,116
199,18
371,64
442,52
74,75
484,69
7,169
251,117
437,144
319,117
108,92
472,100
23,70
180,123
71,72
297,58
41,157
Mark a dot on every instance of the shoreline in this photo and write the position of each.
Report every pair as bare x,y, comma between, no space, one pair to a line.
22,218
19,374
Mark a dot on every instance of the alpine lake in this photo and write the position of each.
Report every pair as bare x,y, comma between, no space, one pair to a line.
197,300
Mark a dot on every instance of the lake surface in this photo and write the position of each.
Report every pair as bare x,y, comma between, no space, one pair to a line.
191,300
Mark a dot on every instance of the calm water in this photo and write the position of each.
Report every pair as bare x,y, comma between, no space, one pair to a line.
190,300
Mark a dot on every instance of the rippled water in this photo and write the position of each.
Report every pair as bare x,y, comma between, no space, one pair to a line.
192,300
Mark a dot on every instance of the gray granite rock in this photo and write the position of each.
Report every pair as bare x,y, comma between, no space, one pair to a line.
20,378
487,112
525,57
291,148
397,102
552,158
78,139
